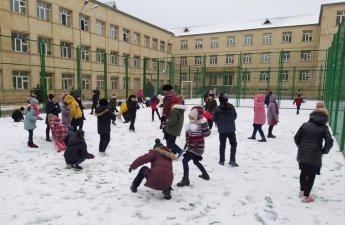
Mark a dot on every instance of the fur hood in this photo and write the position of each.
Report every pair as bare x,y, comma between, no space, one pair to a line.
181,107
165,152
319,116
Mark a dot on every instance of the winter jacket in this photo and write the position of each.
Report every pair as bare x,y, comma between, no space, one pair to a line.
95,96
103,121
160,176
154,101
167,102
267,99
210,105
30,119
112,103
259,109
195,136
52,107
75,111
76,150
309,139
17,115
298,101
140,93
65,114
123,108
175,121
132,107
224,117
272,111
59,130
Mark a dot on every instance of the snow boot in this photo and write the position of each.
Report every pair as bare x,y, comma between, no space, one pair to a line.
233,164
262,139
76,167
271,136
307,199
184,182
134,188
251,138
167,193
205,176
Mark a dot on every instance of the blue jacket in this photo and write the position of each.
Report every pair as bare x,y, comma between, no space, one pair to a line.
30,119
225,116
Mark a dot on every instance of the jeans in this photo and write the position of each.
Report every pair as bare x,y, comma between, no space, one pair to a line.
31,134
171,143
233,143
139,178
306,182
298,107
131,125
104,141
196,160
258,127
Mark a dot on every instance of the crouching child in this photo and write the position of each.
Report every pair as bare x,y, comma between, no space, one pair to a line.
160,176
76,151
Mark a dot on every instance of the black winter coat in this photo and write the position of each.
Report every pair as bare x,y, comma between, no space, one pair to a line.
76,150
95,96
309,139
225,116
103,121
132,107
53,108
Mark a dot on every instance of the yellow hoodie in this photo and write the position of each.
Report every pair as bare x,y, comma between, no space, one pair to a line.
75,111
123,108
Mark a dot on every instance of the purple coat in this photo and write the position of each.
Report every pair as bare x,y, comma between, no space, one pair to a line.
259,109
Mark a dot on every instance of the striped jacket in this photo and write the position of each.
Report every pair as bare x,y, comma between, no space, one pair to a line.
195,136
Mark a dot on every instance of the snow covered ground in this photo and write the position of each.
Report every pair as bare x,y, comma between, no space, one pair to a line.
35,187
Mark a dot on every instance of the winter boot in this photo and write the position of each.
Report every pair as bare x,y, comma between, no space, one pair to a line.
233,164
167,193
184,182
307,199
134,188
205,176
262,139
251,138
77,167
271,136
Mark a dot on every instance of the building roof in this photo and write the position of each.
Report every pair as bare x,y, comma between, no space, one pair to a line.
310,19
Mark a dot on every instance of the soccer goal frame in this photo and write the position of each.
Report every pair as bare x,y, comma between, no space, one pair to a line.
190,86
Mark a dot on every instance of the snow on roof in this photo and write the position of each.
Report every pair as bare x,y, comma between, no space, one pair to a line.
111,4
247,25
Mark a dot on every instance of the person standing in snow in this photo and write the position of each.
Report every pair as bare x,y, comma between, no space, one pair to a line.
224,118
169,94
160,176
30,121
104,118
259,117
75,112
140,96
196,131
272,115
132,106
52,107
298,100
309,139
65,112
95,97
154,101
210,106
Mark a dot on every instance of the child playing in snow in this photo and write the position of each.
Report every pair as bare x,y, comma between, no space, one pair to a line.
272,115
160,176
123,111
154,101
59,132
132,105
17,115
76,151
30,121
298,100
259,117
196,131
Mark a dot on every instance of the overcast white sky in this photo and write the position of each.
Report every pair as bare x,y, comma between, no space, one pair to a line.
180,13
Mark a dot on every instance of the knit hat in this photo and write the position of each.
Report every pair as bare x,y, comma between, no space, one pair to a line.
196,113
167,87
176,100
51,96
157,143
223,98
103,102
33,101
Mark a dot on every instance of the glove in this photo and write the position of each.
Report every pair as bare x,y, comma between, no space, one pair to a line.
130,170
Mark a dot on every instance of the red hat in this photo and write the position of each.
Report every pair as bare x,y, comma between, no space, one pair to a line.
176,100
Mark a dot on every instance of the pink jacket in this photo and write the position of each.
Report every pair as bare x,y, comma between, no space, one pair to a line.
259,109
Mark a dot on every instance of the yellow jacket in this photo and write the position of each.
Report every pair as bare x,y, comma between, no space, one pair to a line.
123,108
75,111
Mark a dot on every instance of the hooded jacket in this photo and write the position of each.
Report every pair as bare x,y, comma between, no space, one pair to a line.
259,109
76,150
225,116
30,119
272,112
196,131
75,111
59,130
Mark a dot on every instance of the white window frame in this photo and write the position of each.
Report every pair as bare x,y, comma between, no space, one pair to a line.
265,57
48,46
162,46
247,58
183,76
18,6
198,60
307,36
20,42
213,79
184,44
67,81
245,76
84,22
264,76
267,38
113,32
231,41
85,53
65,17
100,27
100,55
114,58
183,61
43,10
304,75
100,82
114,83
285,76
230,59
86,83
306,56
287,37
286,56
228,78
20,80
136,83
248,39
49,81
146,41
154,43
198,43
214,42
66,50
136,39
126,35
213,59
136,61
340,16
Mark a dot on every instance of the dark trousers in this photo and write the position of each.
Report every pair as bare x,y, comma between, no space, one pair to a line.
94,106
153,113
270,129
258,127
75,162
196,160
210,124
125,116
298,107
306,181
31,134
233,143
171,143
139,178
47,131
131,125
75,123
104,141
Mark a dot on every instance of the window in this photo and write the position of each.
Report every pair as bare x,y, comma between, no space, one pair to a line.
197,77
136,61
20,42
307,35
246,76
100,27
228,78
136,39
67,81
264,76
306,56
184,45
47,44
85,53
136,83
162,66
100,82
85,82
231,41
154,43
146,41
213,60
340,16
287,37
267,38
213,79
113,32
169,48
18,6
248,39
183,76
286,57
20,80
125,35
100,55
229,59
49,81
198,43
285,76
265,57
247,58
114,57
183,61
66,49
43,10
114,83
303,75
154,64
65,17
214,42
126,57
198,60
162,46
84,23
